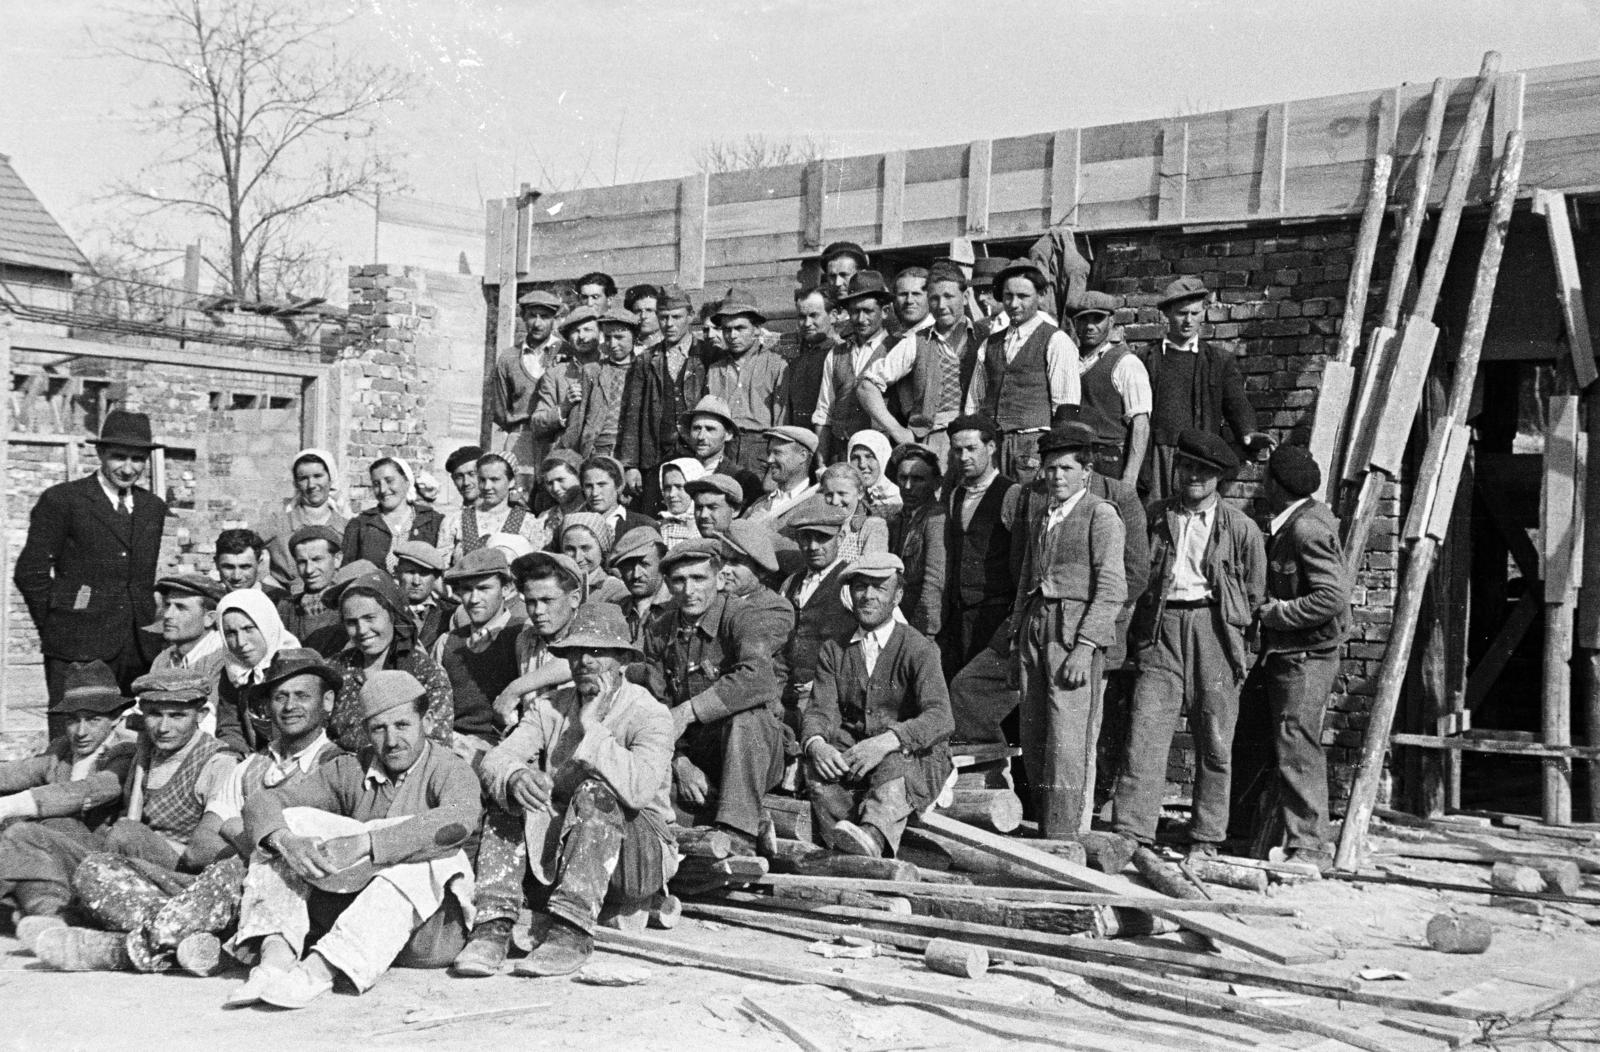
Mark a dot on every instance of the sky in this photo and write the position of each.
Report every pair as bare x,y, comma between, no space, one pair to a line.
591,92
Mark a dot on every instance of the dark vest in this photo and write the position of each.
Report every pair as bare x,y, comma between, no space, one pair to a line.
477,678
845,414
1102,402
921,393
1017,395
472,539
979,558
823,618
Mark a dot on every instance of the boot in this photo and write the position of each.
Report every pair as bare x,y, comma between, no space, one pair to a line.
200,954
83,950
29,928
485,951
566,949
850,839
530,930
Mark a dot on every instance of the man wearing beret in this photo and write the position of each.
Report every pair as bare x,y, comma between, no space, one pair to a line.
1116,390
723,692
1305,619
517,370
662,385
877,728
582,795
593,421
839,413
749,378
88,569
309,616
382,830
1024,374
1208,572
1192,385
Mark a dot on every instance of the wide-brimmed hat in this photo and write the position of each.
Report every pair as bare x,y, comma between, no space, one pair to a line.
192,584
1209,448
1020,268
844,248
986,269
716,482
674,298
791,433
535,562
711,406
542,298
1101,303
736,303
484,562
89,686
1187,287
1066,437
300,661
596,626
864,284
125,429
183,686
750,542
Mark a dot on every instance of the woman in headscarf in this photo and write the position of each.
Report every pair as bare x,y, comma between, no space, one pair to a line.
371,534
586,539
316,502
252,635
558,477
917,536
677,508
383,635
863,532
869,453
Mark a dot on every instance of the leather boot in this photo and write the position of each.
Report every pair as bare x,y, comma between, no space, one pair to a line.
566,949
485,952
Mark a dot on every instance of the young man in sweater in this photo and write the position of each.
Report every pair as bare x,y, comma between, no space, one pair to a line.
480,656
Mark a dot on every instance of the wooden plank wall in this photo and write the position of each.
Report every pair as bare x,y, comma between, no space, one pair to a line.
1303,158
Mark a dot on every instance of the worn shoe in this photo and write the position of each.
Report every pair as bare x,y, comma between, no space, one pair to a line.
566,949
530,930
851,839
83,950
28,928
1322,860
200,954
485,952
249,991
294,989
1201,851
742,843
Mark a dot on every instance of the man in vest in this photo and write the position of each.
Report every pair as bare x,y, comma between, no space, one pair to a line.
480,656
839,413
1192,385
1208,571
814,304
663,384
911,302
925,369
309,616
1306,618
515,379
723,693
978,585
1071,591
1024,374
1116,390
468,530
748,378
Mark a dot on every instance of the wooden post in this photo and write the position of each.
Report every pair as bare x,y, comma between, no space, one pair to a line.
1066,161
692,206
5,519
813,183
1275,162
979,158
1391,674
1559,524
892,215
1174,171
1569,284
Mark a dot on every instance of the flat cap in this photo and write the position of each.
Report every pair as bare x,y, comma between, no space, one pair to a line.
791,433
844,248
873,566
1066,437
300,661
90,686
674,298
1187,287
182,686
818,515
484,562
192,584
636,544
716,482
577,317
1295,469
750,542
1095,303
620,316
348,574
1208,448
316,533
692,552
387,689
541,298
596,626
541,562
420,553
558,457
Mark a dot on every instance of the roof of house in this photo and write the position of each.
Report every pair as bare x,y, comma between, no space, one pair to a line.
29,235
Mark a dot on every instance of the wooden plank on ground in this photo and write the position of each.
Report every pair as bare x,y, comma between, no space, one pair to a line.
1268,946
979,157
692,231
1569,284
1066,152
1172,204
1275,161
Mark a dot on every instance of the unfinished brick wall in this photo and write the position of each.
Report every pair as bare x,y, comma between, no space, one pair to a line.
381,388
1277,306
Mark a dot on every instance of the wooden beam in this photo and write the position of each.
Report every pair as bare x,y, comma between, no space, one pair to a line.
1066,168
892,218
1559,524
1173,200
491,240
1504,644
1588,626
1275,161
505,329
980,156
1506,117
228,360
1569,284
1060,896
812,192
692,231
5,528
1499,746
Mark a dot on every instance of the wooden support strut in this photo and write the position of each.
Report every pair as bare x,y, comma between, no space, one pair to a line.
1392,672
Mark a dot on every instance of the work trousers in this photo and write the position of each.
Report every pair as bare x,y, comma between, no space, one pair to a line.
880,800
1298,687
161,906
37,861
968,633
1060,725
1186,667
982,695
742,757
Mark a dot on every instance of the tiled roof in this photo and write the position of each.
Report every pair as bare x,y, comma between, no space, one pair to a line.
29,235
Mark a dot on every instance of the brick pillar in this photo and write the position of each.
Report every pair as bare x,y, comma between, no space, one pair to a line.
380,389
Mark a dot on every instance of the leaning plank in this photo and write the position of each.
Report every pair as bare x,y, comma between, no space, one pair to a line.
1221,929
1061,896
1569,284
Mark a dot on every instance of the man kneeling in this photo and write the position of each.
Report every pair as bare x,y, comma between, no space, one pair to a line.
584,788
877,730
387,826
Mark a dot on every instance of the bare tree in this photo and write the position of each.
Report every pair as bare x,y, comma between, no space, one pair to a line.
755,151
269,121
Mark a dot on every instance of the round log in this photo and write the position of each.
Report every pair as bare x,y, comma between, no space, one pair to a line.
1560,875
997,810
1508,876
1242,877
704,842
1024,916
1454,933
956,958
805,897
666,912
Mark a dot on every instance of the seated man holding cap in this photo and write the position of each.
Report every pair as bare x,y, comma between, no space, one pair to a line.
583,794
387,826
418,570
310,615
877,728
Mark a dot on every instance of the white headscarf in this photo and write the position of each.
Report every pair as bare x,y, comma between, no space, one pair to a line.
335,481
255,605
692,471
878,443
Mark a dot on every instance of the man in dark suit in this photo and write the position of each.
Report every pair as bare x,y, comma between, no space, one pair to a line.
88,569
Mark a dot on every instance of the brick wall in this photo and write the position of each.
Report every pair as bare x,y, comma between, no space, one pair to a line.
382,388
1279,297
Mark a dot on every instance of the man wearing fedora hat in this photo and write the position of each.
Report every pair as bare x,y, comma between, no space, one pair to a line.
663,384
1025,373
1193,384
1116,390
517,370
88,569
581,794
387,827
749,378
593,421
479,656
839,413
815,305
1208,571
709,430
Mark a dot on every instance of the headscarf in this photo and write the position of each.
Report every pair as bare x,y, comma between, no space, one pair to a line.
882,492
335,481
692,471
255,605
386,593
594,523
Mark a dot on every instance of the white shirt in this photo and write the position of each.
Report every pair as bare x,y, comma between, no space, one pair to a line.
1130,378
974,496
860,354
902,357
490,521
114,495
780,500
1188,566
1282,518
229,801
872,643
1061,362
1189,346
808,583
1059,512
